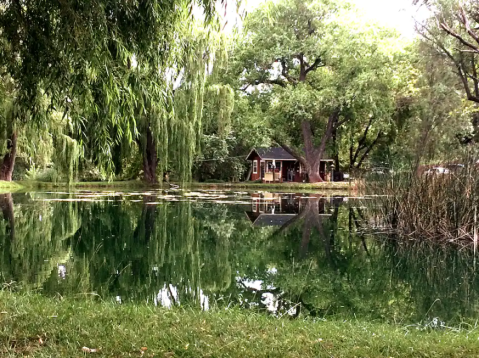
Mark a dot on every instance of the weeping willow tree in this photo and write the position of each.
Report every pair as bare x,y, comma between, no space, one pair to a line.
84,56
205,55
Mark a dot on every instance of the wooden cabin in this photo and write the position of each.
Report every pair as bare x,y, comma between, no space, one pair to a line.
275,164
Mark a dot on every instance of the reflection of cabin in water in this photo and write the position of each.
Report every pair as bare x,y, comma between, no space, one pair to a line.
277,165
276,209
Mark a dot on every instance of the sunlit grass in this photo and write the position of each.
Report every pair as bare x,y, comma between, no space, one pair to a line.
9,186
340,187
31,185
48,327
332,188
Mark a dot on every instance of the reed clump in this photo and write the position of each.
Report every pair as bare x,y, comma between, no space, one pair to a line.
430,205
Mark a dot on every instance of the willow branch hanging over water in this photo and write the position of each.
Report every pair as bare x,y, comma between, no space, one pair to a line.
84,57
205,55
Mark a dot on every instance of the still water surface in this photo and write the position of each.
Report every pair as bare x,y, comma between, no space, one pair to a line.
282,253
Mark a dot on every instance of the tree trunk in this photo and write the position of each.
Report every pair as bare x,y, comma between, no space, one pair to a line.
8,163
250,171
312,155
336,151
312,168
117,159
6,205
150,158
475,124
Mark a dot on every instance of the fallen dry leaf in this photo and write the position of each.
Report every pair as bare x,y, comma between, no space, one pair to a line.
89,350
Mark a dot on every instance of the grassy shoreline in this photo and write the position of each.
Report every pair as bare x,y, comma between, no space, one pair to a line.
47,327
9,186
343,188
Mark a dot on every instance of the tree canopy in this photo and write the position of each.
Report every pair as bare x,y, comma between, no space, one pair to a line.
320,70
119,89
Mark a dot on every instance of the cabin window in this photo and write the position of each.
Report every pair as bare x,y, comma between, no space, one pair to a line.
255,167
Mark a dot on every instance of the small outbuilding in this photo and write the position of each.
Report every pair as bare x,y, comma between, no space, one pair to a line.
274,164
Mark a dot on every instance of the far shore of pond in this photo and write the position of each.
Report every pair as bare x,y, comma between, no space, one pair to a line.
336,188
45,327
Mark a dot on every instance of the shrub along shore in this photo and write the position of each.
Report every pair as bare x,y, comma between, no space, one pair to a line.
47,327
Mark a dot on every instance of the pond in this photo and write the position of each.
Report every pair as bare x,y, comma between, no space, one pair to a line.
286,254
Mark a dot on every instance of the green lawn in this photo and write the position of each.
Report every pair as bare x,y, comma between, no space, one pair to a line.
47,327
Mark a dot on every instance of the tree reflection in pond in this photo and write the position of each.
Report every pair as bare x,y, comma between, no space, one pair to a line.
34,237
290,254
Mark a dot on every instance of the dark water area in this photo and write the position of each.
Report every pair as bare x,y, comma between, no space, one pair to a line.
281,253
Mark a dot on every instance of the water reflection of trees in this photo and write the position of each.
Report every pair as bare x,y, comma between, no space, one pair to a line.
325,266
317,263
33,238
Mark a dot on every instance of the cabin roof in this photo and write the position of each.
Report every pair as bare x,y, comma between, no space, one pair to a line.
273,219
270,153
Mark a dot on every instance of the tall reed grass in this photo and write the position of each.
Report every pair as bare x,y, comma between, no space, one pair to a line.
437,206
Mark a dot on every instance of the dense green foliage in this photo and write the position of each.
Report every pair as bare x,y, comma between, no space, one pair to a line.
109,69
86,95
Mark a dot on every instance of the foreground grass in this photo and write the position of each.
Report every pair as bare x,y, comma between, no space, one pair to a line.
47,327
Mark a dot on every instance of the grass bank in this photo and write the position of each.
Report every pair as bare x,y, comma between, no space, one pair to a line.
9,186
342,188
336,186
33,185
48,327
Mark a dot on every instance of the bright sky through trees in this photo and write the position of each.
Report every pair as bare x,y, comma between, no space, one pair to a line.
399,14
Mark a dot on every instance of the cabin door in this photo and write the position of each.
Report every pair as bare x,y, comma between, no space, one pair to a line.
262,170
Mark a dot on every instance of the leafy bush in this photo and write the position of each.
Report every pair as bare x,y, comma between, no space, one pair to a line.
47,175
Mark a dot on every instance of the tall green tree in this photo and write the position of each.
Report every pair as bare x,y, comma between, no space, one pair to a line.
320,69
452,31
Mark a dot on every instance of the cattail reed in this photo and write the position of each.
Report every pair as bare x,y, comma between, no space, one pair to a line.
434,205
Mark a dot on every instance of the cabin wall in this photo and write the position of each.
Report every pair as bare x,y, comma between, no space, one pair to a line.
299,175
257,175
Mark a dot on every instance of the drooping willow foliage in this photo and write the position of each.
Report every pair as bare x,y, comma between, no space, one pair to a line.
6,110
107,65
67,155
219,106
51,146
206,54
